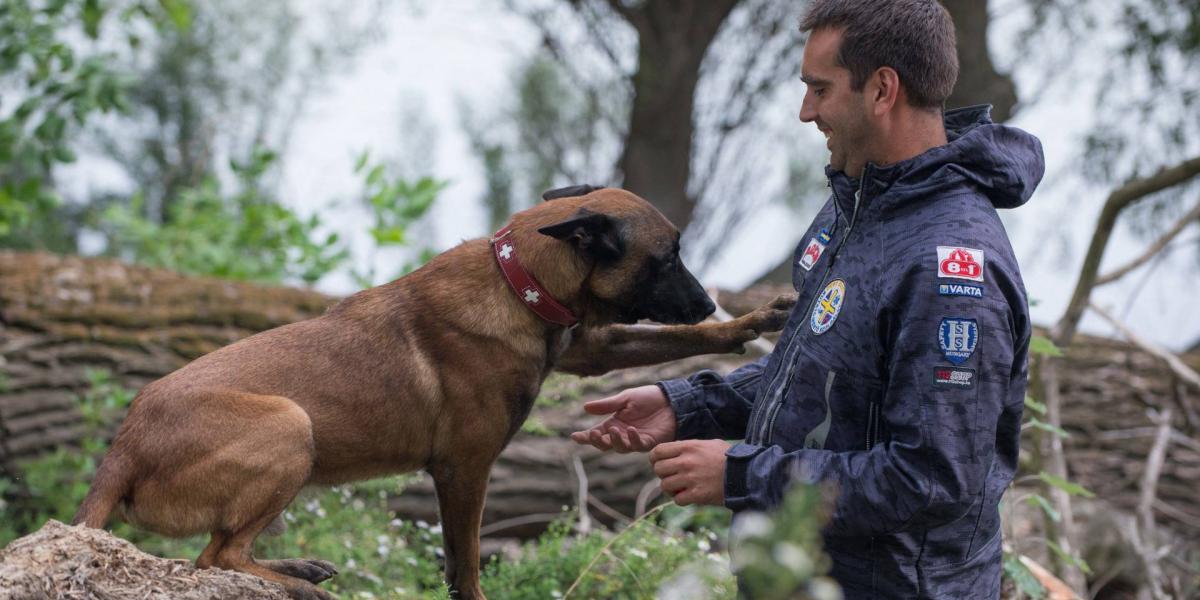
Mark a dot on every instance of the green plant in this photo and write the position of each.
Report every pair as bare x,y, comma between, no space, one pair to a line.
633,563
57,82
779,555
1014,569
396,204
247,235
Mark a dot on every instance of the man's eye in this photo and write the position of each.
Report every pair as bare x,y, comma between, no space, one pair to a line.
818,91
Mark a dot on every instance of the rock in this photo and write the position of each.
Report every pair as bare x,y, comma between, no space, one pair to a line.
63,562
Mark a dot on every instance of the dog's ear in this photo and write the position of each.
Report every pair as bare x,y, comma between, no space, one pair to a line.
570,191
595,234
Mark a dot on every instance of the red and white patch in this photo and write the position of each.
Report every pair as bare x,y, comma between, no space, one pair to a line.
955,262
812,254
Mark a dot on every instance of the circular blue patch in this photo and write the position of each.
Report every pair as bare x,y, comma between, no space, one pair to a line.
829,304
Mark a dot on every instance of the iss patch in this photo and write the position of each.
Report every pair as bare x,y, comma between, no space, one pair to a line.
957,339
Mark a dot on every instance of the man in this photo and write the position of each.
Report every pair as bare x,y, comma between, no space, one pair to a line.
900,376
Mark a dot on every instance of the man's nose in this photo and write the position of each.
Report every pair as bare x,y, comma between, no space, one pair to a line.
807,113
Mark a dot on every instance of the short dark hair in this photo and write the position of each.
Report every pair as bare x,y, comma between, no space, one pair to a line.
914,37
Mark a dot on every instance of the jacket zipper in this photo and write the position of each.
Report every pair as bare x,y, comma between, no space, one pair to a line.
771,411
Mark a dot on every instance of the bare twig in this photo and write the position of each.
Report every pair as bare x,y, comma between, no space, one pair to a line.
1117,201
491,528
603,507
1146,543
1177,366
581,497
1191,217
1063,533
649,491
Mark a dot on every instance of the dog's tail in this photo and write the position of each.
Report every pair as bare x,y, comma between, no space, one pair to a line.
111,483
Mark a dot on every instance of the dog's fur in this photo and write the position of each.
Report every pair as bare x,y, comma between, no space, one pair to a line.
434,371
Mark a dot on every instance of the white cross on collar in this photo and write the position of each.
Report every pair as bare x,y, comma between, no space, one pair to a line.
506,251
532,297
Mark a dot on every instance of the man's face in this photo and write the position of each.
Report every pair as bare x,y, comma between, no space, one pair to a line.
838,111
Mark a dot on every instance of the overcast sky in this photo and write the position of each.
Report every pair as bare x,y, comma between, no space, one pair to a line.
468,49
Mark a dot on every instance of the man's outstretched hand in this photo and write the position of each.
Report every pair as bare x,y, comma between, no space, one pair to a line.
639,419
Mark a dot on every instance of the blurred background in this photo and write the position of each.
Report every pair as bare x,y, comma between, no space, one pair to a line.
321,147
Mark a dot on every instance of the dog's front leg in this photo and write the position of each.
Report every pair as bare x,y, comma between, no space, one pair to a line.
461,487
597,351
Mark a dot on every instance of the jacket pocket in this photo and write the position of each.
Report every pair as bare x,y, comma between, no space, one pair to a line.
976,577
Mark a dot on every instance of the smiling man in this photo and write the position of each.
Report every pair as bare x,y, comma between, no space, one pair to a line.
900,377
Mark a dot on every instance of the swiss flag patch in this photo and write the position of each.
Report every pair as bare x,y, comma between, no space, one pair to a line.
955,262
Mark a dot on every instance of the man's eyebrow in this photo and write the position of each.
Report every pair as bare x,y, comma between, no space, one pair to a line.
810,80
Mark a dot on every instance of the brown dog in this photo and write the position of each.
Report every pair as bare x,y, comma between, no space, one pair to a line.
434,371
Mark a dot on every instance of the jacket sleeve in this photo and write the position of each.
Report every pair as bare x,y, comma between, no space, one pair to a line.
940,418
709,406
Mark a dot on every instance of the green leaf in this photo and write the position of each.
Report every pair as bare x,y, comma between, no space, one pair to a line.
1042,346
1037,424
1022,577
179,11
1035,406
93,13
1041,502
1073,489
1077,561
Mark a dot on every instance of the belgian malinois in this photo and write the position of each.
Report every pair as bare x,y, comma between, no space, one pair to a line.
434,371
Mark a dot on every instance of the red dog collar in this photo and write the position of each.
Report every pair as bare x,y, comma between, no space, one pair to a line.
526,287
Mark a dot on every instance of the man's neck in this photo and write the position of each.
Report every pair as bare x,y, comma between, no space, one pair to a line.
910,135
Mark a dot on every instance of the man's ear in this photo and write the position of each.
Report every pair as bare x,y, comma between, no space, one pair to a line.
570,191
592,233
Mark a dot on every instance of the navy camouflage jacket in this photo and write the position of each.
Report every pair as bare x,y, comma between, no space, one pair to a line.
900,375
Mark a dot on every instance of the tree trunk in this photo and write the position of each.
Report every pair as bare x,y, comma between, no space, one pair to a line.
978,80
61,316
673,39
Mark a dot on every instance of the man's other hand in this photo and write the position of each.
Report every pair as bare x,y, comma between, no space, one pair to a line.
692,471
639,419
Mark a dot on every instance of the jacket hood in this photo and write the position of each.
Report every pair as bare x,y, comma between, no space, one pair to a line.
1004,163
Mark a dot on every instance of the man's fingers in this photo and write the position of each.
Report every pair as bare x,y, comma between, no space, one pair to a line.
620,440
666,468
673,485
667,450
605,406
642,442
580,437
599,440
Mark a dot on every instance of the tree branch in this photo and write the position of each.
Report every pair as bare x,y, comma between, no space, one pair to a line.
1117,201
1155,248
1177,366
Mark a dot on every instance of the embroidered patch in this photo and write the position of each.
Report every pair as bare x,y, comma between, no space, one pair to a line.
960,289
956,377
811,254
824,236
960,263
829,304
957,338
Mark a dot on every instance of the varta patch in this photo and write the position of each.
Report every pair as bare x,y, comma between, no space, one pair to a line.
958,338
960,289
955,262
955,377
829,304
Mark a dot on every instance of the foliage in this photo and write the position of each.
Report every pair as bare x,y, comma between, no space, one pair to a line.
57,83
247,235
632,563
780,556
396,204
